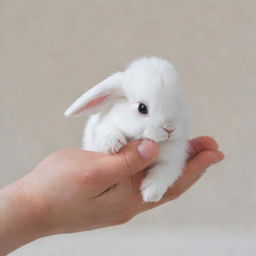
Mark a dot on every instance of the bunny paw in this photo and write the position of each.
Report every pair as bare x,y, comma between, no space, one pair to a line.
151,191
115,143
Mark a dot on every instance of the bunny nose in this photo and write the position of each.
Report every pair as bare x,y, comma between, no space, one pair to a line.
169,131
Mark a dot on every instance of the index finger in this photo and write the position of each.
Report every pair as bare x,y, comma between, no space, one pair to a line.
202,143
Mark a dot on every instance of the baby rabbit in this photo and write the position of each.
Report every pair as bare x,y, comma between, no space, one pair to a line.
144,101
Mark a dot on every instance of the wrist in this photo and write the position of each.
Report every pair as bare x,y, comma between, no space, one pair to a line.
21,221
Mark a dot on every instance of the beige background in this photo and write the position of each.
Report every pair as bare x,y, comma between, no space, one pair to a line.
52,51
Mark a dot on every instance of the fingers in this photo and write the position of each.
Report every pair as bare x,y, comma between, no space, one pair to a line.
111,169
200,144
192,172
197,145
194,169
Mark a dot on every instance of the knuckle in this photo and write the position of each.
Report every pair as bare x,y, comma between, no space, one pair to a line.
91,177
62,155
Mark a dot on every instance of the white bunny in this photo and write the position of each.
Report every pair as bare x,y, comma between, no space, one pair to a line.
144,101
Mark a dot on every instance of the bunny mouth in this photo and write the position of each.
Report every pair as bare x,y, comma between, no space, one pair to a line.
169,131
158,134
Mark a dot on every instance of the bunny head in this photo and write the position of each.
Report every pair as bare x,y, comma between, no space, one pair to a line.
144,101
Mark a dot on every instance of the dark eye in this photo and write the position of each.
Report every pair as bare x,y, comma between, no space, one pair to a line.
143,108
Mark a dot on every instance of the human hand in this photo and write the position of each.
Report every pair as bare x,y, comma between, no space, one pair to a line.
75,190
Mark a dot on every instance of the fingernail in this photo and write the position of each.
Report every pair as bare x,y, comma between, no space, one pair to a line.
146,149
216,160
219,157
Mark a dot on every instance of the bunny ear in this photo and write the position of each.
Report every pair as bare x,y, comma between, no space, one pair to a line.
98,97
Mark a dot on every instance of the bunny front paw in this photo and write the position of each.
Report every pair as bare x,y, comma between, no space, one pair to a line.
114,143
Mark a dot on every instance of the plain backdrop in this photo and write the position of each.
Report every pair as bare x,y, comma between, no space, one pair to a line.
52,51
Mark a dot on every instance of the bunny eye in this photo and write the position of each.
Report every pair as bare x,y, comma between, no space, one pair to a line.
142,108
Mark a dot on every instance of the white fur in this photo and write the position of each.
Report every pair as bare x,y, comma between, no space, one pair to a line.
114,118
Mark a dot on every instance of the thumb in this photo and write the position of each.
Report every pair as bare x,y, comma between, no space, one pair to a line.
134,157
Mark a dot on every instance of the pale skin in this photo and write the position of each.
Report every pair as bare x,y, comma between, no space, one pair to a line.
76,190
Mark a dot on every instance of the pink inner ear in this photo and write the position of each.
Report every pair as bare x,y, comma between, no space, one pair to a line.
95,102
92,103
